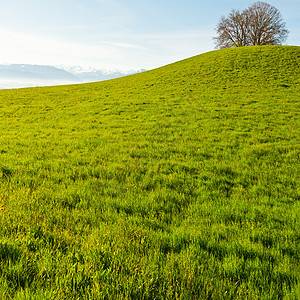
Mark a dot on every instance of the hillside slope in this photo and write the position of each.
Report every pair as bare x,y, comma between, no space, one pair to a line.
175,183
244,66
35,72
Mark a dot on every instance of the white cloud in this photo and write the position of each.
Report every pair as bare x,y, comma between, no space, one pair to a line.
133,51
125,45
25,48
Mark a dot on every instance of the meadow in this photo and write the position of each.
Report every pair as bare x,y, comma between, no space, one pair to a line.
176,183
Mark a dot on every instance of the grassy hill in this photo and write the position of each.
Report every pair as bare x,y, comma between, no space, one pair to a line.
176,183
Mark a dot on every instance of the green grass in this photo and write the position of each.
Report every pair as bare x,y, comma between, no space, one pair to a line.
177,183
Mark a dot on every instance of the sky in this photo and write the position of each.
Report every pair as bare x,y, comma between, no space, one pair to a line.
118,34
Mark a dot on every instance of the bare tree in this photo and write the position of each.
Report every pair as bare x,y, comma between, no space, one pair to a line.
232,31
259,24
266,26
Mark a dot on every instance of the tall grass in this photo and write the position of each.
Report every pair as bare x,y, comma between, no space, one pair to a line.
177,183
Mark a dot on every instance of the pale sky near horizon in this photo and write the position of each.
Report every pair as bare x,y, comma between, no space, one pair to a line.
118,34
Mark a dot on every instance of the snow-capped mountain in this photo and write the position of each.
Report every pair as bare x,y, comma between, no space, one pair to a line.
91,74
24,75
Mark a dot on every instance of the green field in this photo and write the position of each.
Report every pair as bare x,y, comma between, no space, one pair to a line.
177,183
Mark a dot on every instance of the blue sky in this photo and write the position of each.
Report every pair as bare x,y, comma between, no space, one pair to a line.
118,34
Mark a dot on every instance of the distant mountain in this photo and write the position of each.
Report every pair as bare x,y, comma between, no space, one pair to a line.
36,72
24,75
99,75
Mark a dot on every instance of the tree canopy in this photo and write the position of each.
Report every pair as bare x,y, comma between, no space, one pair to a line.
259,24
